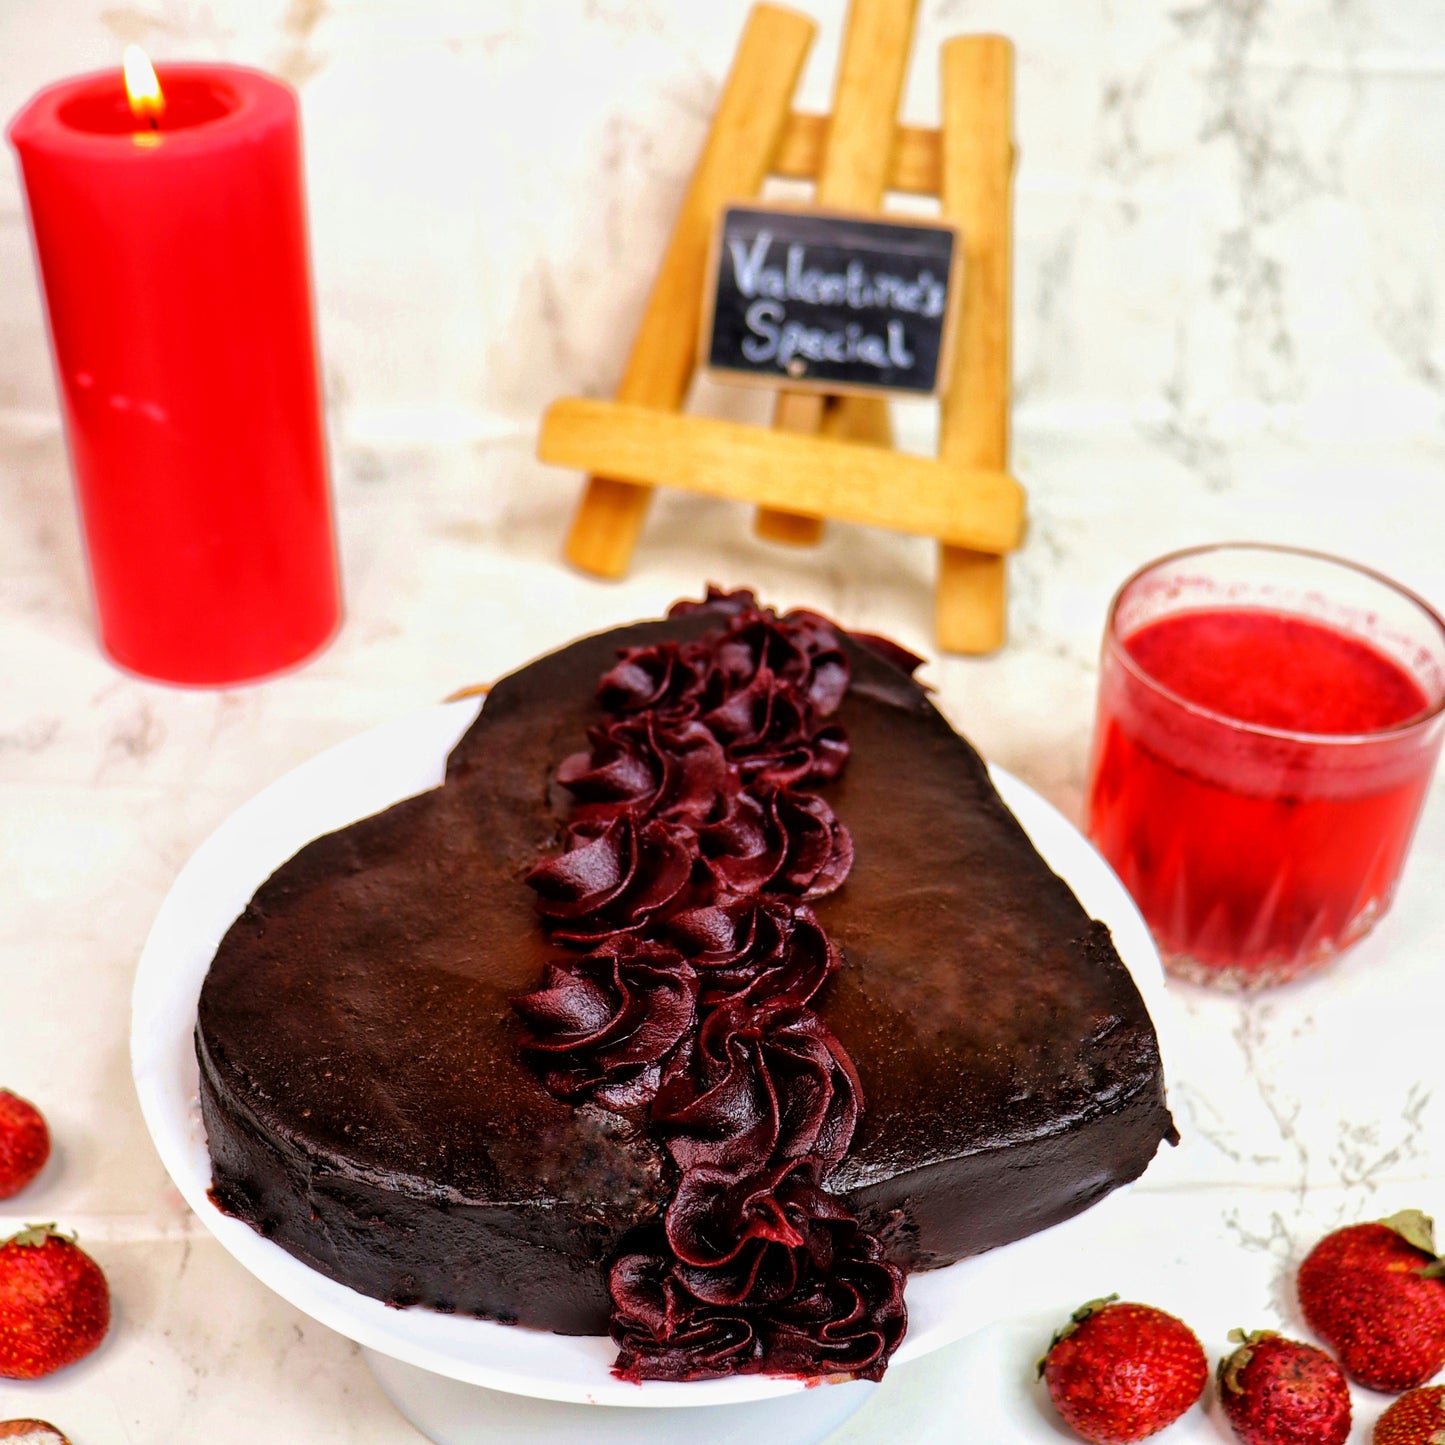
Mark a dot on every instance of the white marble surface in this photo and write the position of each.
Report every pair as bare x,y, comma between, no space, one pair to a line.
1229,220
1309,1106
1228,209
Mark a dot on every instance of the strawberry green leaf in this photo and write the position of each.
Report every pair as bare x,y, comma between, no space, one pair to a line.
1233,1366
1075,1320
1414,1228
34,1235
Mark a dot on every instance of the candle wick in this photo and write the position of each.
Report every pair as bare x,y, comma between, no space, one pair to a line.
153,122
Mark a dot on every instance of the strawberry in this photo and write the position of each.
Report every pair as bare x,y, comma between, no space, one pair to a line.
31,1432
1414,1419
24,1143
54,1303
1122,1372
1375,1293
1279,1392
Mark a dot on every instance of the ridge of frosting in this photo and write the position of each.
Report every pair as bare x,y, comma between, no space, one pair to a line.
681,893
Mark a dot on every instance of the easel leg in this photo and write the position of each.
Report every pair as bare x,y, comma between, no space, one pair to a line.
607,525
974,415
751,114
971,600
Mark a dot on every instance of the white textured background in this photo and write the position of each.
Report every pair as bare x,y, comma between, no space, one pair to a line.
1228,222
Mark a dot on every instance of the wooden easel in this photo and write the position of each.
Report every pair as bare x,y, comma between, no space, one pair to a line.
829,456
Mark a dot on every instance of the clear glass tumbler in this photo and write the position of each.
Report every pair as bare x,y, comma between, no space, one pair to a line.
1251,781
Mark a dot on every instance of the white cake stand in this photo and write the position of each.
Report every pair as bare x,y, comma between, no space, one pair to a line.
471,1382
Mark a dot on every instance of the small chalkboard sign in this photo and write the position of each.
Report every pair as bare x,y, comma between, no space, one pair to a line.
807,300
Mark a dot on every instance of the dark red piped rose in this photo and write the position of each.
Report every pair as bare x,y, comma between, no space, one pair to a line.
780,842
766,1082
848,1321
606,1026
685,869
658,679
650,769
615,875
754,948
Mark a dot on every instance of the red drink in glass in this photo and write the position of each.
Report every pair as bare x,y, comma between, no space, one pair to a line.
1268,724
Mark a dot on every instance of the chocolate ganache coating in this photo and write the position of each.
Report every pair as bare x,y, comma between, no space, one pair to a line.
368,1105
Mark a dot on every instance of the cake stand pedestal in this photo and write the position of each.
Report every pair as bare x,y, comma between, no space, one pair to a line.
451,1412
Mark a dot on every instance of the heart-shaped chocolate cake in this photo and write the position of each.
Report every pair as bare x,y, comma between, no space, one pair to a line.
697,1006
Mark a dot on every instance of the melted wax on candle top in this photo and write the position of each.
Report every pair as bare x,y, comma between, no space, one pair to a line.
190,101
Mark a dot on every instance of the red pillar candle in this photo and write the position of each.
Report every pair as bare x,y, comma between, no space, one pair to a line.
173,256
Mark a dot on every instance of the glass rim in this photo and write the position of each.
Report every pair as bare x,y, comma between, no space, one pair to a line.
1417,722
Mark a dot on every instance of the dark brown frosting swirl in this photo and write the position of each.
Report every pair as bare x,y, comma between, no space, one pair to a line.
766,1082
685,871
607,1025
754,948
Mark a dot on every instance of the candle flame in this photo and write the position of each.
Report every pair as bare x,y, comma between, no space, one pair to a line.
142,87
